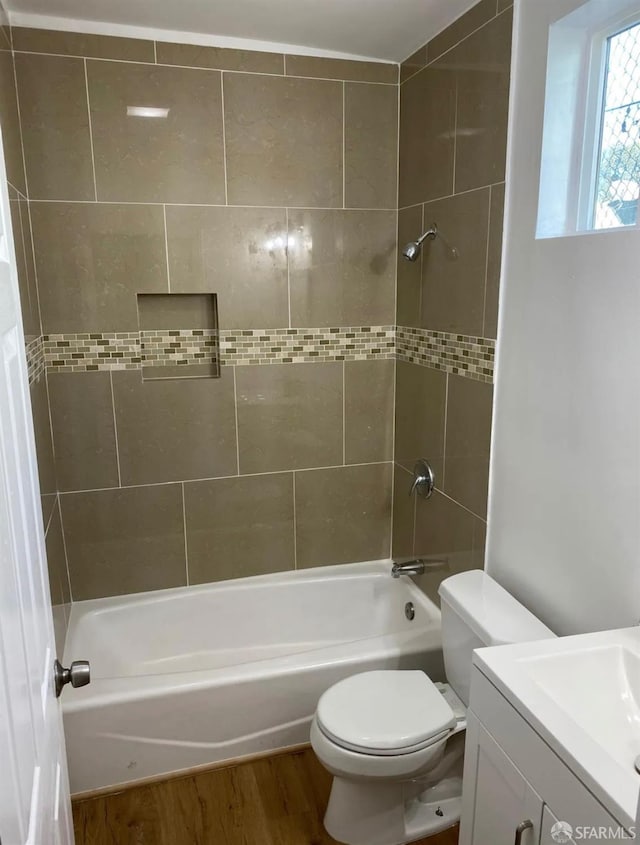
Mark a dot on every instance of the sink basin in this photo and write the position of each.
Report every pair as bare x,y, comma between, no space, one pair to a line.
581,694
599,688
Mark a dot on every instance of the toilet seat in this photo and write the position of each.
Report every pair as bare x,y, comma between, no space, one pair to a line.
385,713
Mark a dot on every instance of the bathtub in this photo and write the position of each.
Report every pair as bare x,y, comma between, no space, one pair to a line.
192,677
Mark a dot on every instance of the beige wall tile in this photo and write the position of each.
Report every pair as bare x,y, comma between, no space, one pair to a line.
289,416
409,273
174,159
444,531
30,40
238,253
192,55
42,433
368,411
92,260
83,430
404,512
413,64
238,527
48,501
55,127
420,407
322,68
343,515
174,430
504,4
494,261
453,284
21,226
461,28
481,65
371,145
124,541
427,136
283,141
342,267
11,137
468,442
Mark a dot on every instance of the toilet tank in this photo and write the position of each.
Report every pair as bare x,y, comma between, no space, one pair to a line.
478,612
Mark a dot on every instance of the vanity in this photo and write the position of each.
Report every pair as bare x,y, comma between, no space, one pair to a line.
553,732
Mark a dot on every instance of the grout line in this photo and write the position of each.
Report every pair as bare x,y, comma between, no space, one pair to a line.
53,510
224,140
166,245
184,524
486,265
444,427
235,205
286,214
415,204
235,408
393,456
155,49
284,61
115,428
460,505
344,144
93,158
64,546
295,524
220,478
344,413
421,296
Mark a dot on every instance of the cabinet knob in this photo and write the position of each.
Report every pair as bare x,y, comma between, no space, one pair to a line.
525,825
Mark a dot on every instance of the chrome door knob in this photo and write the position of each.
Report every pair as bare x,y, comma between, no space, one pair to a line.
78,675
424,479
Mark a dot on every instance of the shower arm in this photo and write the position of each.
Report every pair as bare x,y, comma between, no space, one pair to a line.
431,233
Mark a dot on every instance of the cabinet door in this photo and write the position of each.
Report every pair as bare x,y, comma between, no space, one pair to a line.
549,824
497,801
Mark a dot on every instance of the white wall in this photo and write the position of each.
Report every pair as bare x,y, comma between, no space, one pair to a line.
564,513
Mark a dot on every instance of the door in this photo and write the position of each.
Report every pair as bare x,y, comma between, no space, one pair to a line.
34,791
499,806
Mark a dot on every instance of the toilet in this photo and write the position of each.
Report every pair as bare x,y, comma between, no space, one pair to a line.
394,740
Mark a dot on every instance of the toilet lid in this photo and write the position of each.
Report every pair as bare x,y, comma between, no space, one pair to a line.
384,712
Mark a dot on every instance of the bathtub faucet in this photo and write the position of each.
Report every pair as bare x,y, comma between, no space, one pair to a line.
416,567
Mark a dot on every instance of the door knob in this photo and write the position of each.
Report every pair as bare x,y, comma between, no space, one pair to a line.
78,675
424,479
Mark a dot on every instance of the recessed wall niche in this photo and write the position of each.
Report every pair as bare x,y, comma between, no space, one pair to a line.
179,335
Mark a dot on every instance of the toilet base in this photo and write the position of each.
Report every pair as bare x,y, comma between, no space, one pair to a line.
367,813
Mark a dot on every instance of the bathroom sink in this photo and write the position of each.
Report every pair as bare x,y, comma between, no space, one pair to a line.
600,690
582,696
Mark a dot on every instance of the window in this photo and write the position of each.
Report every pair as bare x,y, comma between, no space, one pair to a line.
590,169
618,162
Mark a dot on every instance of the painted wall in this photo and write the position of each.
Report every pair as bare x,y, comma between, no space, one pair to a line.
564,532
453,120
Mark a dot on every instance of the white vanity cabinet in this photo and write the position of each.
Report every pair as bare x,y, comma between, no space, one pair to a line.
515,786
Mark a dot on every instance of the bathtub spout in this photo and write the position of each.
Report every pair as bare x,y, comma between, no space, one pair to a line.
417,567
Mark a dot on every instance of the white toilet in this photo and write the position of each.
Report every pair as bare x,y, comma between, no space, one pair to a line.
394,740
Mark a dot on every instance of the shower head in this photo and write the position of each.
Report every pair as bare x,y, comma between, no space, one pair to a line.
412,250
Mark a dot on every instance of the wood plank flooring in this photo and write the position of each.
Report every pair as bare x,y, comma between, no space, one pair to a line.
274,801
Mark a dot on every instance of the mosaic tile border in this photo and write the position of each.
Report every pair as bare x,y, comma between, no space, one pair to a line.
463,355
35,359
470,357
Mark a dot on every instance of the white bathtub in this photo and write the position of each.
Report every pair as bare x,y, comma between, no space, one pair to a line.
199,675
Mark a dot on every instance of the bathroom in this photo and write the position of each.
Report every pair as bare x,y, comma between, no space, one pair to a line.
310,419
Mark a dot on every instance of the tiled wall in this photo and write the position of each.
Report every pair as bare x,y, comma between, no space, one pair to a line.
453,120
21,224
272,182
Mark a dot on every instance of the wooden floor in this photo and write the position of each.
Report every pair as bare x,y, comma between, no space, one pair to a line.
274,801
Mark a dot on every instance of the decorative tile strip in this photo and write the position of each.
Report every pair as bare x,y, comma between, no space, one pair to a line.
295,346
35,359
179,346
472,357
78,353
